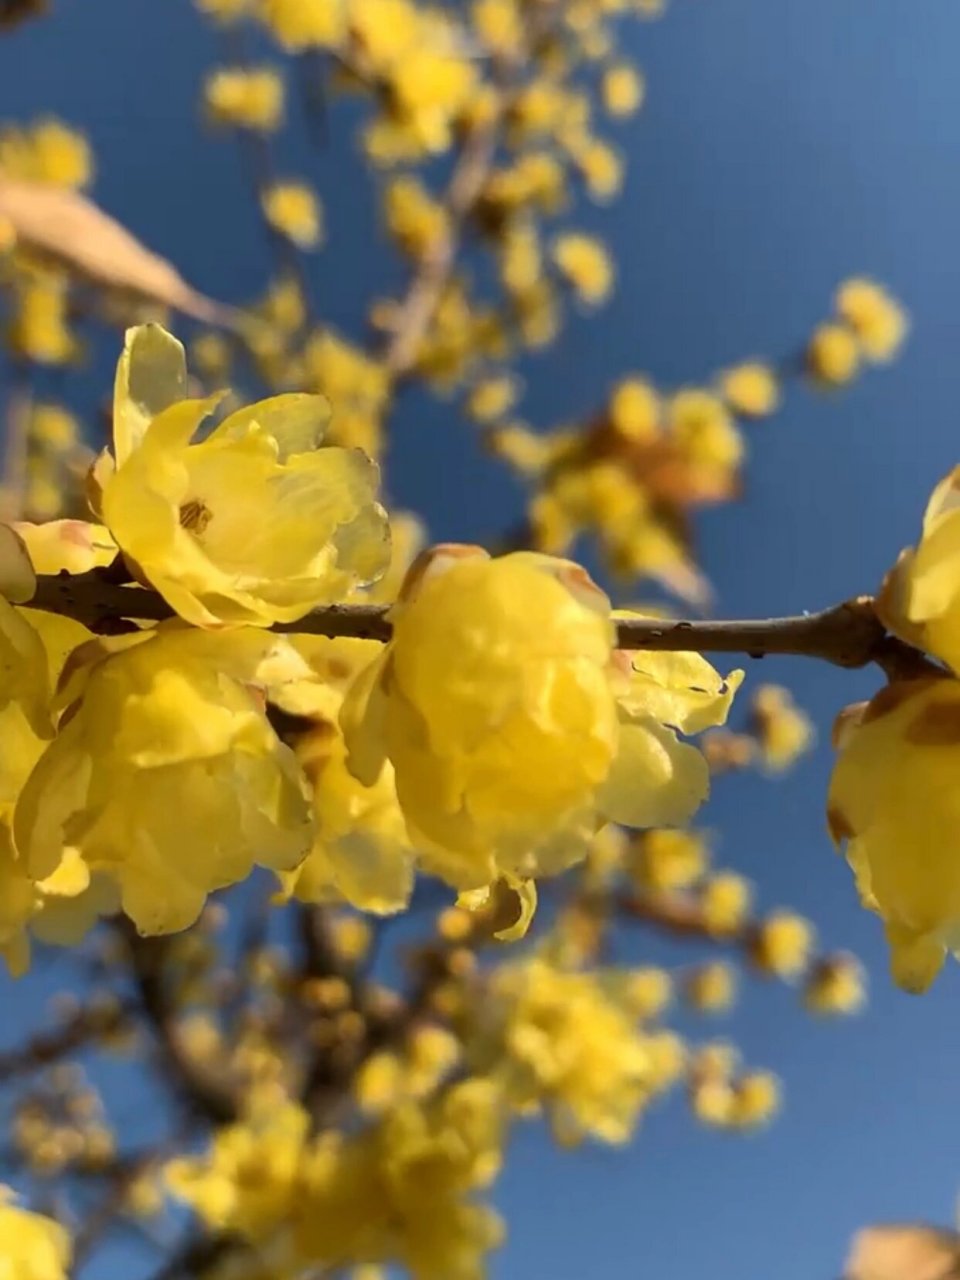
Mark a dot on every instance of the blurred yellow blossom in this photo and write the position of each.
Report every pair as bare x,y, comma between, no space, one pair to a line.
39,326
415,220
491,398
784,944
712,988
623,89
246,97
572,1049
833,355
634,410
304,24
892,802
666,860
498,24
874,316
293,209
756,1099
836,985
751,389
725,902
46,151
783,731
585,263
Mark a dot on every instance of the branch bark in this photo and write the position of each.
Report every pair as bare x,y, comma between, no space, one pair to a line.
848,634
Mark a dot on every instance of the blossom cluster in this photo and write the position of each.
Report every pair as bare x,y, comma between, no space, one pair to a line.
487,742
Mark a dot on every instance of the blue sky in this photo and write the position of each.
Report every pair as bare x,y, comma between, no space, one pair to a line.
783,146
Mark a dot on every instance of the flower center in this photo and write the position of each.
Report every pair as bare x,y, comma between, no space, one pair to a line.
195,515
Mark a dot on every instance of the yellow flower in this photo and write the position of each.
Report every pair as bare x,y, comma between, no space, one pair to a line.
249,1178
600,165
305,24
32,1247
634,410
293,209
874,316
385,29
920,599
47,151
39,329
224,10
725,903
252,524
784,944
836,985
585,263
623,89
833,355
415,220
756,1100
401,1191
712,988
567,1042
667,860
512,732
783,731
701,425
498,24
893,799
246,98
491,398
361,852
431,87
166,776
751,389
357,387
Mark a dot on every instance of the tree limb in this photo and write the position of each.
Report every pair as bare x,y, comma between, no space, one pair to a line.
848,634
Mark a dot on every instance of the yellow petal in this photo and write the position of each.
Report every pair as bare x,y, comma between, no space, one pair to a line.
18,580
679,689
73,545
151,376
656,780
363,721
296,421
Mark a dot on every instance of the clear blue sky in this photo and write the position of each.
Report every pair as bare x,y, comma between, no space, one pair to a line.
784,145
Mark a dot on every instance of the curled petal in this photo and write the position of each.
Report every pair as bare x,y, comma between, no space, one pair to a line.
656,780
151,376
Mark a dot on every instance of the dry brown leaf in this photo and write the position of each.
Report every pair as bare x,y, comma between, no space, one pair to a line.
904,1253
70,228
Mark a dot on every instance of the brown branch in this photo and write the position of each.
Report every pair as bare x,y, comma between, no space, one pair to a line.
201,1091
459,200
426,288
19,407
50,1046
848,634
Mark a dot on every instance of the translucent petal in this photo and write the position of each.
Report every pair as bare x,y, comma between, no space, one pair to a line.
18,579
296,422
679,689
656,780
74,545
151,376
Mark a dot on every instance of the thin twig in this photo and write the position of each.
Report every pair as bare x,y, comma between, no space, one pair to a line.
50,1046
19,408
202,1092
848,634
